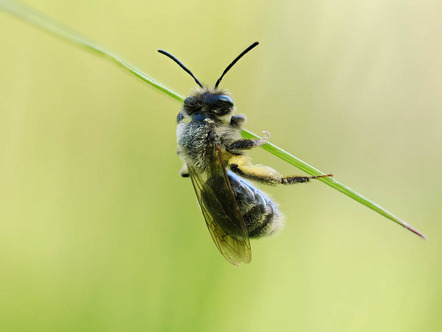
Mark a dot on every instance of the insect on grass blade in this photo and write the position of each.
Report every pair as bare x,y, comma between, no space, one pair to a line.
55,28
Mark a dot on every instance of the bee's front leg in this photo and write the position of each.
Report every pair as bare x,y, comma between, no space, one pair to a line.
237,121
247,144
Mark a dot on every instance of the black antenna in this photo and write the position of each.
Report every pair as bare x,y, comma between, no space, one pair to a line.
235,61
181,65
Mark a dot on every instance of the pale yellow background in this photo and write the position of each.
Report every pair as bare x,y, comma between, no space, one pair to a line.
99,233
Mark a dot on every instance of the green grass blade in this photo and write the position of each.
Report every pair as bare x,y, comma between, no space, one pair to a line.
302,165
53,27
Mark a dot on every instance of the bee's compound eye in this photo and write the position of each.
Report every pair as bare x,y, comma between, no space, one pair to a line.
179,117
226,100
223,105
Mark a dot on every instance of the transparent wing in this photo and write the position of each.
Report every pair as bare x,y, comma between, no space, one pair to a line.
221,211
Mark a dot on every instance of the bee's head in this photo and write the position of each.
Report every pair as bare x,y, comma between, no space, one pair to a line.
214,102
211,101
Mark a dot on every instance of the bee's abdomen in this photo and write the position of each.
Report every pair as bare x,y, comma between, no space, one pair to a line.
260,214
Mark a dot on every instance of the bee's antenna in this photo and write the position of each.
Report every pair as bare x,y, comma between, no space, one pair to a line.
235,61
181,65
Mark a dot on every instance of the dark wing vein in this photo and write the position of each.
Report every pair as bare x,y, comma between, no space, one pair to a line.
221,211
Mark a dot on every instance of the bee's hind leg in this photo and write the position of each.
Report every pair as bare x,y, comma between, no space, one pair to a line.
302,179
242,166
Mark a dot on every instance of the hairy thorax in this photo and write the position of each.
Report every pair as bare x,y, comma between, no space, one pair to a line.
197,139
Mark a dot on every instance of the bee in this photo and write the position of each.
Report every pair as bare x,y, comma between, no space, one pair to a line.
214,157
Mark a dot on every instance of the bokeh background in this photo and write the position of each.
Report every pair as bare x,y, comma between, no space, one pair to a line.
98,232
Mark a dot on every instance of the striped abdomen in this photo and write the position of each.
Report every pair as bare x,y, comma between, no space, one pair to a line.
260,214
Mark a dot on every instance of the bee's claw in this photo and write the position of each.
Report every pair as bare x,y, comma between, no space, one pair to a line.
329,175
264,139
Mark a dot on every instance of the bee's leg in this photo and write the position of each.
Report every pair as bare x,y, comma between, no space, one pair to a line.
184,171
242,166
238,120
247,144
302,179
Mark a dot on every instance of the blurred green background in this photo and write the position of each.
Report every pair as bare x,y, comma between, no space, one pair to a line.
98,232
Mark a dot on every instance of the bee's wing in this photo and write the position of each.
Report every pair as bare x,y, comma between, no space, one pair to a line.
221,211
